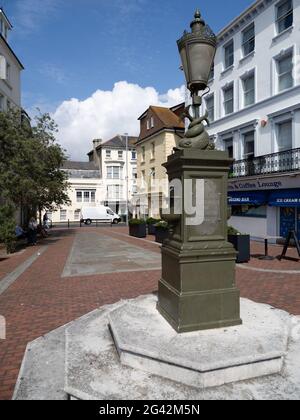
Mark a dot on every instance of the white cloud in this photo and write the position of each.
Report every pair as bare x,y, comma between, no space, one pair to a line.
106,114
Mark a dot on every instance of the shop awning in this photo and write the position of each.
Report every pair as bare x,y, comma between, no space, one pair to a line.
256,198
285,198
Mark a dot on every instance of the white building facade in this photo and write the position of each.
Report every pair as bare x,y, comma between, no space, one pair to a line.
102,180
254,109
117,160
10,69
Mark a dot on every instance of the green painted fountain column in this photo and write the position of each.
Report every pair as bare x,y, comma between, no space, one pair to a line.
197,290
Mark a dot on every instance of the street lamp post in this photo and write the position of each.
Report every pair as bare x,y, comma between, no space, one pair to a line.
127,181
197,290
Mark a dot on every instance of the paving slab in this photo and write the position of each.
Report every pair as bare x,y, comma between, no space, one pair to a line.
94,253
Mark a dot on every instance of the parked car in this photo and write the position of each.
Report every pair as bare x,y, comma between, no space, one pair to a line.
99,214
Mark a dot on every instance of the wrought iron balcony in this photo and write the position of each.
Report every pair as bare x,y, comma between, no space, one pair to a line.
287,161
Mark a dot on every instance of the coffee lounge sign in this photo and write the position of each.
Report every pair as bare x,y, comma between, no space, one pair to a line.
265,184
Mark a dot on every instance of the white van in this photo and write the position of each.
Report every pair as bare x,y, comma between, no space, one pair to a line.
99,214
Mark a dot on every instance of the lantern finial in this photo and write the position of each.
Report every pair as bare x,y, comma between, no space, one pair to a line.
198,23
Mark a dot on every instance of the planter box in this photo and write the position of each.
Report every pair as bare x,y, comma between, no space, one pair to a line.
161,235
241,244
151,229
138,231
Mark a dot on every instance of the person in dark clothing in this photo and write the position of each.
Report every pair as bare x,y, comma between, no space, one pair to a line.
32,232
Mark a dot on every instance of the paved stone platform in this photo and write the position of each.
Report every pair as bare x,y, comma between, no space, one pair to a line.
203,359
99,375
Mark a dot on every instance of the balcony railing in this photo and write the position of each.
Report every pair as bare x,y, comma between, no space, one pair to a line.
287,161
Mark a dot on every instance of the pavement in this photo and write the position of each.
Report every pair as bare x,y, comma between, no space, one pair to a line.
76,271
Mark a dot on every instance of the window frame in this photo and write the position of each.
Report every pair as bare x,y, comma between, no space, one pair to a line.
279,59
278,124
251,75
210,110
279,19
226,89
253,38
229,44
251,154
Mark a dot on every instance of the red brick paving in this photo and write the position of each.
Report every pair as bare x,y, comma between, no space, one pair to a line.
40,300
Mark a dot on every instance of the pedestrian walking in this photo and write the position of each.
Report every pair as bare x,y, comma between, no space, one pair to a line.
32,231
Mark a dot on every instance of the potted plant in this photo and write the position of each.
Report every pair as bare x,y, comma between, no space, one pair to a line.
151,222
161,232
241,244
137,228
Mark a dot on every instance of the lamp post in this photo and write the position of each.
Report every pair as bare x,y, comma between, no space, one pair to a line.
197,51
197,290
127,181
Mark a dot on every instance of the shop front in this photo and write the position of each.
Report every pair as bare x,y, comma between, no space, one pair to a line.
267,212
288,203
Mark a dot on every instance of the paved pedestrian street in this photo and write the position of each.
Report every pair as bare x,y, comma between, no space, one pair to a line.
76,271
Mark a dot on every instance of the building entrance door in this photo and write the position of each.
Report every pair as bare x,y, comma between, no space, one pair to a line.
287,220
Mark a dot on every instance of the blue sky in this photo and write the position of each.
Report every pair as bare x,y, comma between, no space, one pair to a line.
72,48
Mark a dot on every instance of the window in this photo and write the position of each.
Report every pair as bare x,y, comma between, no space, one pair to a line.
108,154
285,72
284,136
249,40
229,54
152,173
152,122
228,100
284,15
228,146
249,148
134,189
210,106
143,154
133,155
77,214
79,196
212,72
1,102
86,196
120,154
152,150
134,173
114,172
8,72
259,212
249,90
63,215
148,125
113,192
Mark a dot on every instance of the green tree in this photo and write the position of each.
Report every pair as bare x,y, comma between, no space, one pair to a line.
30,164
7,227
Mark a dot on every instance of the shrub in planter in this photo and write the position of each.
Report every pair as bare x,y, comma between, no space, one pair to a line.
161,232
151,225
137,228
241,244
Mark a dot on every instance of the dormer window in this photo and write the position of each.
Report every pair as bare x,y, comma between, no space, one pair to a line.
152,122
148,124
